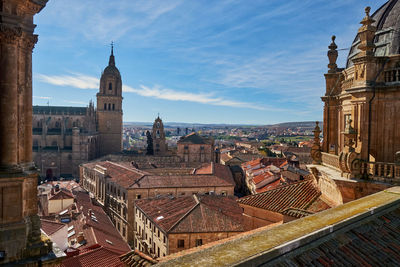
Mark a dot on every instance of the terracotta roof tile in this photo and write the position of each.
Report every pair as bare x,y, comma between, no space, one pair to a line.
62,194
95,257
203,213
50,227
298,195
96,231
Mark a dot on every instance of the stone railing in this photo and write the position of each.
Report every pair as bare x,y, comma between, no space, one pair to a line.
381,170
330,160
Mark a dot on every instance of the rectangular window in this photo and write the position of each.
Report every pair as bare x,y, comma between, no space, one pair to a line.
158,252
181,243
199,242
113,106
123,231
223,193
165,239
138,196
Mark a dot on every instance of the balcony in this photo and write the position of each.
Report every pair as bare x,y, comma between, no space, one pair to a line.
381,171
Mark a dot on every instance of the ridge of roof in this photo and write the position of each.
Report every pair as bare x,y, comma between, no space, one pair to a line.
186,214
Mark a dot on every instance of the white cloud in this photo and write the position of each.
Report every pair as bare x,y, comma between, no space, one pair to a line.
42,97
76,80
82,81
76,102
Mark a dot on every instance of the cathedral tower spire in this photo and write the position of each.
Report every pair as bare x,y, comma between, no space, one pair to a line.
109,108
111,61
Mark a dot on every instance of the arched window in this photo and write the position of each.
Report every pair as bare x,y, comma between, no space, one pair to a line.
109,106
113,106
105,106
57,124
110,86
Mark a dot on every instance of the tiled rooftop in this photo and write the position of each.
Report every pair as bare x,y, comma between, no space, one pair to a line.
97,229
97,257
50,227
194,138
62,194
298,195
130,177
369,227
201,213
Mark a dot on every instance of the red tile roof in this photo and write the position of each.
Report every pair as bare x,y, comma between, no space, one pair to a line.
202,213
62,194
94,258
99,231
50,227
298,195
130,177
269,186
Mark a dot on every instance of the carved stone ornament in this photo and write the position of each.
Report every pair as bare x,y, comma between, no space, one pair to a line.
9,34
316,154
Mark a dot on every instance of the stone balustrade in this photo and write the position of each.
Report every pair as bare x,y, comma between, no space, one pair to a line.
381,170
330,160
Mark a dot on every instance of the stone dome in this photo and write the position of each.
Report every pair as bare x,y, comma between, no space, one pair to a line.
387,36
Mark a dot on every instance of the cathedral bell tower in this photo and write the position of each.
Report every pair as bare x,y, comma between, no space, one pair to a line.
109,109
158,136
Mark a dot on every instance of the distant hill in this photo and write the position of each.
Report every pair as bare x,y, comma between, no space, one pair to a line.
303,124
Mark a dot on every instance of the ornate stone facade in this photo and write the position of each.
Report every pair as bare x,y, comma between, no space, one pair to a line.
362,101
63,138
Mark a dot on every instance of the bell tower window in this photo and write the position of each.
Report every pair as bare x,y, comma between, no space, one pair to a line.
105,106
110,86
109,106
113,106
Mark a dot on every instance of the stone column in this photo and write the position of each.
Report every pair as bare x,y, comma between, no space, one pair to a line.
9,37
29,43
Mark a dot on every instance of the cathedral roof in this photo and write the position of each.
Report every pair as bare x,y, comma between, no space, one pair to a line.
387,37
59,110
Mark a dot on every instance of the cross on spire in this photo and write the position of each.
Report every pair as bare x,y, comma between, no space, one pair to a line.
111,62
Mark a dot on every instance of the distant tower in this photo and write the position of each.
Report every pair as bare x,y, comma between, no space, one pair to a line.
109,108
158,135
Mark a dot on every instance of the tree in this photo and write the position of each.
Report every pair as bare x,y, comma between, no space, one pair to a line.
150,150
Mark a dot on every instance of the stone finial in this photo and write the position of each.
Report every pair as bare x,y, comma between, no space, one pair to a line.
316,148
367,10
367,35
332,56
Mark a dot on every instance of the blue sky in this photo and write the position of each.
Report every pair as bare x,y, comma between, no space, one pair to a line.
196,61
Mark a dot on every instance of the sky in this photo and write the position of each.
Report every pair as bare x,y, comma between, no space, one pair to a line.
195,61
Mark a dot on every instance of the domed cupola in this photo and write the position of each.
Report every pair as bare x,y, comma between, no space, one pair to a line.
387,36
110,81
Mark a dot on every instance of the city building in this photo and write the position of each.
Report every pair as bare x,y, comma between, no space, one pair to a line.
196,148
64,137
167,225
116,185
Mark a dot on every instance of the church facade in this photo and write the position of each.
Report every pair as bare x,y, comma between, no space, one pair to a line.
64,137
361,133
